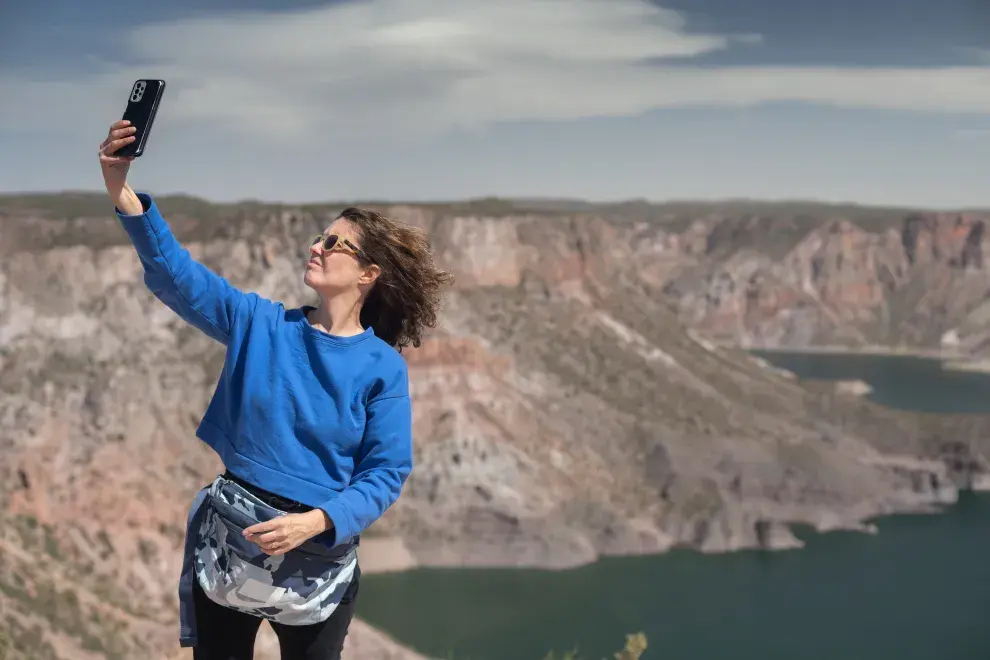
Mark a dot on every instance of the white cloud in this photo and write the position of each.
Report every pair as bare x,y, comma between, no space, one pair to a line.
400,67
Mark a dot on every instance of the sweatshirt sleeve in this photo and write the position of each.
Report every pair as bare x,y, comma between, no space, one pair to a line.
382,468
199,296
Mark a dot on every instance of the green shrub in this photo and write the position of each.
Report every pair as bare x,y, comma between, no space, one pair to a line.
633,650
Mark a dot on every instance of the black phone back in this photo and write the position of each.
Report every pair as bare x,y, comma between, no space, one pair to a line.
142,106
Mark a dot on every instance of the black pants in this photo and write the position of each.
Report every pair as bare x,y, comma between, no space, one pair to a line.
226,634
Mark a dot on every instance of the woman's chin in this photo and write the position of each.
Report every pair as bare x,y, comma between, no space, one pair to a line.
316,281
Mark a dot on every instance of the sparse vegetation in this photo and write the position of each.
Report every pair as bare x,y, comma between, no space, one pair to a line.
148,550
104,541
633,650
51,545
17,641
63,612
37,602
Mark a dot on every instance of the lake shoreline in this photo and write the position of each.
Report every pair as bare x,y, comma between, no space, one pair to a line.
838,349
388,554
951,360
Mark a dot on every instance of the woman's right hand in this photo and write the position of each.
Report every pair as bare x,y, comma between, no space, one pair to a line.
115,168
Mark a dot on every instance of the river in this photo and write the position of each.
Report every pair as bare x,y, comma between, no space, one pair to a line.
919,590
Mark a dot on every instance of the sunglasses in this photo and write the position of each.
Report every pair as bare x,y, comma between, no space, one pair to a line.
334,242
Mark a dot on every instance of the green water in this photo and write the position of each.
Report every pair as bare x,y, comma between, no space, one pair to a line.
920,590
907,383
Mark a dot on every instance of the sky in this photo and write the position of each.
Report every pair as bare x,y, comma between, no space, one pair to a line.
868,101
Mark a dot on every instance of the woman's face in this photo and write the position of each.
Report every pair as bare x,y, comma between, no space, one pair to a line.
330,272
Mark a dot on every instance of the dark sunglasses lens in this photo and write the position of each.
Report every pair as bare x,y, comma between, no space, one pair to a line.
328,242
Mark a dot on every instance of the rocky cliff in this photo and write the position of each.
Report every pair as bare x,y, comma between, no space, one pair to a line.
562,411
783,278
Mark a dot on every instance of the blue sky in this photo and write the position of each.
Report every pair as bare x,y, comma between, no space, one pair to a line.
879,102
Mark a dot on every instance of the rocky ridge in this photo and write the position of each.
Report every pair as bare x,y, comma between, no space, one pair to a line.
916,282
563,411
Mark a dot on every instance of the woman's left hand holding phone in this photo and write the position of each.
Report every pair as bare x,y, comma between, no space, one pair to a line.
115,168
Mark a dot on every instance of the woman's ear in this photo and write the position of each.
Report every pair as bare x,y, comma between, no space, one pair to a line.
370,274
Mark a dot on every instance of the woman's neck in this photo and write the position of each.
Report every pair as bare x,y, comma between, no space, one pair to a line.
337,316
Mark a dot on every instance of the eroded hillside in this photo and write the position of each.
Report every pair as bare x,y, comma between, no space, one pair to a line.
561,412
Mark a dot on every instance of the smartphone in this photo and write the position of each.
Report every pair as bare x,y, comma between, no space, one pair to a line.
142,106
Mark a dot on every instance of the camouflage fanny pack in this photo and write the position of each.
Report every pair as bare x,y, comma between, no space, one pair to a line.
301,587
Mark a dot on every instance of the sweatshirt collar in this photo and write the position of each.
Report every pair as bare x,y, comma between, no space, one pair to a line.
334,339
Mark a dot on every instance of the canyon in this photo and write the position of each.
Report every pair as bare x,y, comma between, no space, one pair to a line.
587,393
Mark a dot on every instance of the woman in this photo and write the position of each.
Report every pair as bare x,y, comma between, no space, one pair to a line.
311,418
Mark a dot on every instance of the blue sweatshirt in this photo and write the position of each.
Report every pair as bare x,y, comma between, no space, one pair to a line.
313,417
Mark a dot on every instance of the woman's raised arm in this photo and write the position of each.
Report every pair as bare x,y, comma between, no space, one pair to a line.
198,295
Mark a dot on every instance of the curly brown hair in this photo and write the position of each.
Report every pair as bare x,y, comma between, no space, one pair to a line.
406,298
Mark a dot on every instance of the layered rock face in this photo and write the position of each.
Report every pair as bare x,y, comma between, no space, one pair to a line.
917,281
562,411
